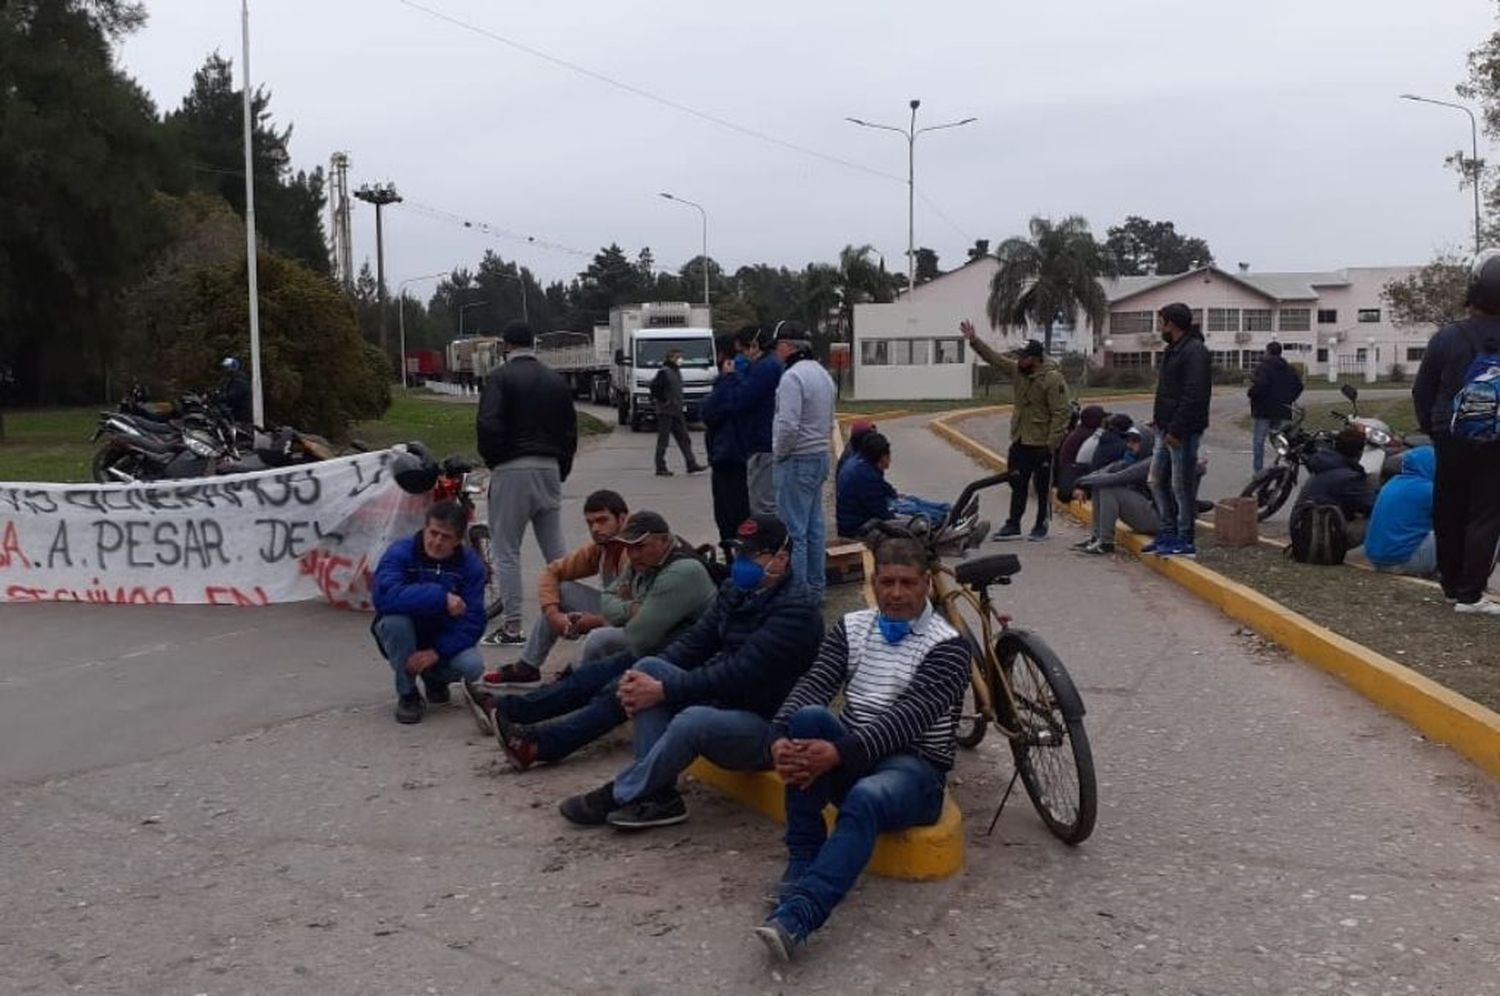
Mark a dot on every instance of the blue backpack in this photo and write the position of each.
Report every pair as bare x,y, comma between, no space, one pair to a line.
1476,406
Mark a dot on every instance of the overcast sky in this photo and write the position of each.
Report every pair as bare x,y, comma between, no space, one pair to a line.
1271,128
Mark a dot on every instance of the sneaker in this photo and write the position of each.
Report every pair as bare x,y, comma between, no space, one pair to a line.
1160,546
697,468
437,692
480,706
1088,542
661,810
664,472
782,943
1181,548
1009,531
1098,549
590,809
1483,607
504,636
409,708
520,749
1038,532
512,676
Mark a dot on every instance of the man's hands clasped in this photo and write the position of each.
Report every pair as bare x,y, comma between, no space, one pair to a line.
802,762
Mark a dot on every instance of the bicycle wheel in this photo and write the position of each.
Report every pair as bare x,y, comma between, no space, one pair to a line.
479,539
972,724
1051,748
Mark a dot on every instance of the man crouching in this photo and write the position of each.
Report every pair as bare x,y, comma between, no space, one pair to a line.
884,759
429,615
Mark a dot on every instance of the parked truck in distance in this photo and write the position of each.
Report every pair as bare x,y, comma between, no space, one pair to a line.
640,337
470,358
583,358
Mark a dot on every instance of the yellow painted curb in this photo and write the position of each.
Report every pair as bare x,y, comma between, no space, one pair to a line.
918,854
1440,714
847,417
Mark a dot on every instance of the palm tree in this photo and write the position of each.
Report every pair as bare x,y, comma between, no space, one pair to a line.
1054,274
861,278
818,293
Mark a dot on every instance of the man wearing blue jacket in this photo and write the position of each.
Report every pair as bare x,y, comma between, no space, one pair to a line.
750,396
1400,538
725,442
429,615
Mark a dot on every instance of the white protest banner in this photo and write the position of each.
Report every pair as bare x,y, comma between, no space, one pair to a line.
314,531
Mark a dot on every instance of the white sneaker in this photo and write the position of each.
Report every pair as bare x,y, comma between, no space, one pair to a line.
1483,607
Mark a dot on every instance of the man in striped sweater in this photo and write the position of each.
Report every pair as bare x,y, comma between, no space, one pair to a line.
884,760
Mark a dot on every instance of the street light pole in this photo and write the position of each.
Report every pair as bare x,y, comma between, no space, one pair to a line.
525,312
380,195
1473,162
401,304
910,133
257,398
683,200
465,307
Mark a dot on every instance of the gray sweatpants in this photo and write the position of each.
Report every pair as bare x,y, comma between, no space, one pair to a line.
522,496
761,483
1112,505
602,642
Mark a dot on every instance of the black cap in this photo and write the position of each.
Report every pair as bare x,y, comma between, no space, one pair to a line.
1029,348
1179,315
759,534
642,524
1119,422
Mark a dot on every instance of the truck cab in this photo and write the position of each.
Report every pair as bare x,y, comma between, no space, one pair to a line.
638,357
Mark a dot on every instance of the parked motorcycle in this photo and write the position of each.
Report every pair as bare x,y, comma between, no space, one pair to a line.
460,481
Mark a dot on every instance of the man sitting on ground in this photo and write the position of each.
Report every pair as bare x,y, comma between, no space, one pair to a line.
884,760
1400,538
429,614
862,494
1121,490
719,708
1338,479
570,610
668,589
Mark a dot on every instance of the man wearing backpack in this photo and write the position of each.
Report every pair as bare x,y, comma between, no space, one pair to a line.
671,421
1337,482
1457,397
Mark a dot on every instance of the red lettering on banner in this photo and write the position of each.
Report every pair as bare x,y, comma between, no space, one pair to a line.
139,595
230,595
343,583
10,548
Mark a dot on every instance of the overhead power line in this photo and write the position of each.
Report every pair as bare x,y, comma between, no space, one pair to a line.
497,231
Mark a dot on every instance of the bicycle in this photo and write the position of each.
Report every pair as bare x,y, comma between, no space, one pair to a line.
1018,685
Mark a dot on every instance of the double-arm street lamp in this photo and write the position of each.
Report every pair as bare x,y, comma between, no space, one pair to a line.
910,133
1473,162
401,304
683,200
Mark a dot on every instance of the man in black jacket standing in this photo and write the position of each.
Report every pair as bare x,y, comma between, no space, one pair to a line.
671,420
1466,493
1180,414
528,434
1275,387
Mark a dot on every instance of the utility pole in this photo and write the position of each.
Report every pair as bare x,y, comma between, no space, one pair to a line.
704,213
1474,168
380,195
257,397
338,205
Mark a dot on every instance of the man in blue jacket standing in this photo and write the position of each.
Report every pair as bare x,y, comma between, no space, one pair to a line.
429,615
725,442
750,396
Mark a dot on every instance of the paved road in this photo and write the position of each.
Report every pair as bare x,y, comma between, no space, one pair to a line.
216,801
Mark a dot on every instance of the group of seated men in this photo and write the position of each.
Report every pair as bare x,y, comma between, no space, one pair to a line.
742,674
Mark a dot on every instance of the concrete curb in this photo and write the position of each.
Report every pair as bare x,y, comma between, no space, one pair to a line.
1440,714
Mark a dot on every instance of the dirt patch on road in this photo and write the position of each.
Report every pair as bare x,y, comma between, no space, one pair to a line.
1409,623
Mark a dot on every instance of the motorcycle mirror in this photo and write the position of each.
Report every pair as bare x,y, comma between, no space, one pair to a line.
1349,391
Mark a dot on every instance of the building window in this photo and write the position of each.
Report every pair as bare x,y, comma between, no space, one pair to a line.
1296,319
1198,317
1368,315
1228,359
949,350
1131,322
1257,319
1322,356
1223,319
875,353
900,352
1414,354
921,352
1328,316
1131,361
1361,354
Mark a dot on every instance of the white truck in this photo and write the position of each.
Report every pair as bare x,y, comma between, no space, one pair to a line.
584,359
640,336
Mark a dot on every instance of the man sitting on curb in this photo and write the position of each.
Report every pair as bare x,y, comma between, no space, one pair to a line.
719,708
1400,538
666,592
884,761
429,614
571,610
1120,491
1339,480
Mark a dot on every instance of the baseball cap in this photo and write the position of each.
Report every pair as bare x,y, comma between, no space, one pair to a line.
1134,431
759,534
640,525
1029,348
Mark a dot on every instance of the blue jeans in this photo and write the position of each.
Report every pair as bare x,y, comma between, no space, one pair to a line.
1259,430
900,791
907,506
396,636
1174,486
667,741
582,706
799,505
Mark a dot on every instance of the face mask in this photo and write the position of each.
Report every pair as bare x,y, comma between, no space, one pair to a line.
894,630
746,573
741,362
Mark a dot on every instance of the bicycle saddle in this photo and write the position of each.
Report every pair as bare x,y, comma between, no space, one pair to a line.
981,573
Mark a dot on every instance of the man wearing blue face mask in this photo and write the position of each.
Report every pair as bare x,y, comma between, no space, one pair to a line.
883,759
712,691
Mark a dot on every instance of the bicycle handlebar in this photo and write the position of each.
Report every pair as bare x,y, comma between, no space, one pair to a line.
968,492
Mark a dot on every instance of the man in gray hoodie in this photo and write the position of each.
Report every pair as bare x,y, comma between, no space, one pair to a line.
1121,491
800,437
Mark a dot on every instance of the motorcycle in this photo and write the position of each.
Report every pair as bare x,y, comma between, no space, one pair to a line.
462,482
139,443
1294,445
